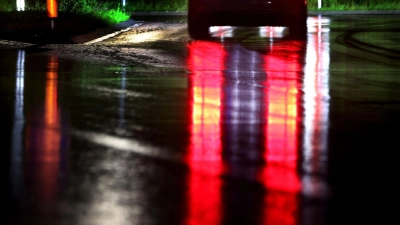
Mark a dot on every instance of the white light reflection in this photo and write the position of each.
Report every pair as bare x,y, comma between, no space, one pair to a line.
20,5
318,25
221,31
106,207
264,32
123,144
272,32
18,127
244,101
316,106
19,105
122,96
143,37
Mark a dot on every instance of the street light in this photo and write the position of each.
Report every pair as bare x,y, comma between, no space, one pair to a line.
123,4
20,5
52,11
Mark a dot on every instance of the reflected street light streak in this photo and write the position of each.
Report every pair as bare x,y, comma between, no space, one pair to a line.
44,144
43,140
316,107
18,127
316,100
19,118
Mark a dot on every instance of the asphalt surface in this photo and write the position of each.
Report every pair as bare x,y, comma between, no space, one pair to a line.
127,138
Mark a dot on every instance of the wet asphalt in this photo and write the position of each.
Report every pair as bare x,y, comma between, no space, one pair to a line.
251,128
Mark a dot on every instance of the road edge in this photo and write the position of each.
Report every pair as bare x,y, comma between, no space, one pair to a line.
105,33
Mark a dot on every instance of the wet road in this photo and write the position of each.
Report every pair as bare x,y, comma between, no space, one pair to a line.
249,128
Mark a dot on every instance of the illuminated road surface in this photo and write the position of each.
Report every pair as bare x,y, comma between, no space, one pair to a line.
248,128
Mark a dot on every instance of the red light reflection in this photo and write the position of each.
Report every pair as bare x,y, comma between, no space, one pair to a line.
282,119
208,62
204,156
44,138
282,129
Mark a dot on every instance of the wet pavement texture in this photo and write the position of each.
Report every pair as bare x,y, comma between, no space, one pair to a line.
247,128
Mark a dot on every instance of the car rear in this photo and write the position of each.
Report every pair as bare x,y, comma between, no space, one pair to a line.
205,13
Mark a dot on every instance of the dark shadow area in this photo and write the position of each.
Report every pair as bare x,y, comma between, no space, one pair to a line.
36,28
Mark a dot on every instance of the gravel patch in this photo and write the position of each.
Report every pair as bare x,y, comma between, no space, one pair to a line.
148,44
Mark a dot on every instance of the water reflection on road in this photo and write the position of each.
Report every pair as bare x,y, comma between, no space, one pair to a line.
256,128
39,138
259,117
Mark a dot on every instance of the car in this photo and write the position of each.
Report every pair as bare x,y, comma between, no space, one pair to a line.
205,13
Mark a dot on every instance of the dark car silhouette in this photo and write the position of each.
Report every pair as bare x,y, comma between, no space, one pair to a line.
205,13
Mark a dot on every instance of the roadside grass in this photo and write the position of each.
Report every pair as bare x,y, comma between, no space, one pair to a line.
75,17
331,5
156,5
94,10
353,5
